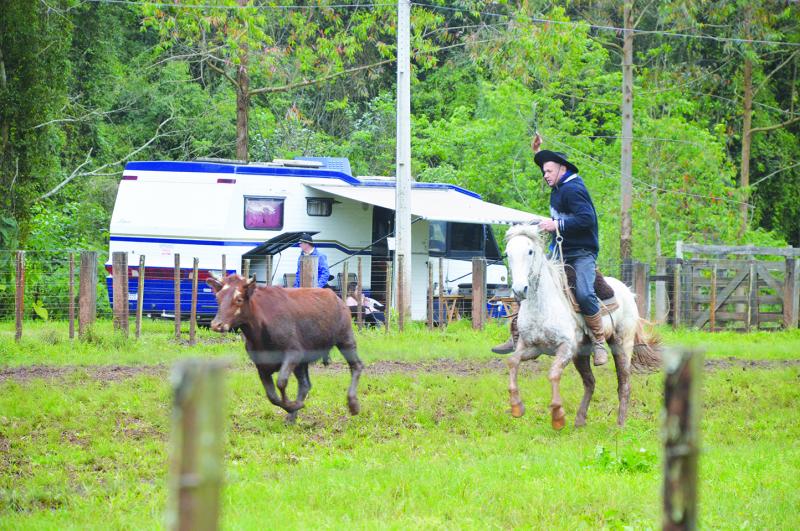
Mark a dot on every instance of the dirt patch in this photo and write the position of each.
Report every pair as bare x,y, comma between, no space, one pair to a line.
111,373
105,373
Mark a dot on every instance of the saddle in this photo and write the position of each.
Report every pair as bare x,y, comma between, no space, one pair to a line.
604,292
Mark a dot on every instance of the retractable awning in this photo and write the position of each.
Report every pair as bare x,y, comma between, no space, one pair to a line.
439,204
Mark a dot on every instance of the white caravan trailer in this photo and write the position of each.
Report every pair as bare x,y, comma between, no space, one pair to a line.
210,209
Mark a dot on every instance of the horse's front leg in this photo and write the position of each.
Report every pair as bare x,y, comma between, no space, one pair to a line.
521,354
564,355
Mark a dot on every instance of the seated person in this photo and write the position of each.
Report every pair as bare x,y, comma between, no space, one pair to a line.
369,306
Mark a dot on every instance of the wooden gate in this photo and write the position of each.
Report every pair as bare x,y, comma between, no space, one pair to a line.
744,294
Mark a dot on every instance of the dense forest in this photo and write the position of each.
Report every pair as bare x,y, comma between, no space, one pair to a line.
87,85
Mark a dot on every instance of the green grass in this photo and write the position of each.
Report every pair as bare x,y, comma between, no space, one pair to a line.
49,344
430,450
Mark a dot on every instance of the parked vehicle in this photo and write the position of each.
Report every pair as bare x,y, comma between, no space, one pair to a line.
207,209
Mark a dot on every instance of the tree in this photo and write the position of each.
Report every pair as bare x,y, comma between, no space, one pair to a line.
250,43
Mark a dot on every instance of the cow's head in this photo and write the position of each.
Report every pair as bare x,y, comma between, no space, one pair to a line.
233,295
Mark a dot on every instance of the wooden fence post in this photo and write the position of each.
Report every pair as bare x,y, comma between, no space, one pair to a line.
308,271
344,288
640,288
676,295
246,268
193,314
688,292
119,274
661,291
712,315
478,293
360,297
196,469
751,319
224,268
401,318
140,297
430,295
442,305
177,289
71,295
681,438
87,292
790,295
388,309
268,270
19,297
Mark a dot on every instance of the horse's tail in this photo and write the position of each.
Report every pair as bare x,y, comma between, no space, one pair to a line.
646,350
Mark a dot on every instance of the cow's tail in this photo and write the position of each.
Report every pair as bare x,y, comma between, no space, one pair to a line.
647,349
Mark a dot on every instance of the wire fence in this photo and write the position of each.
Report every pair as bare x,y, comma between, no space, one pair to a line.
701,293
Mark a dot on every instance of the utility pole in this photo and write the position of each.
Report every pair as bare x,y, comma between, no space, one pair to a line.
403,170
626,166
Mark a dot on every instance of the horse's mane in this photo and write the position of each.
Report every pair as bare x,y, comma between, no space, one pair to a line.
531,231
556,267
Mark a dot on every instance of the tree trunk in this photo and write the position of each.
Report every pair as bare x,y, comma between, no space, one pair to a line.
747,124
242,102
3,118
626,165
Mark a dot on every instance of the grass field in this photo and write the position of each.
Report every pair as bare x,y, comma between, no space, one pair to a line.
83,437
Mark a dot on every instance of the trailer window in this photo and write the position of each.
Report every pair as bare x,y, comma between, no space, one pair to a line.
265,213
466,237
319,206
437,237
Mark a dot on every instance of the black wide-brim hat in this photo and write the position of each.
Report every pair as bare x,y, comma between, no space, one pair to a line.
306,238
546,155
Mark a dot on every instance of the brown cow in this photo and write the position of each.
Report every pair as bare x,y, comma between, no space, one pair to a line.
285,329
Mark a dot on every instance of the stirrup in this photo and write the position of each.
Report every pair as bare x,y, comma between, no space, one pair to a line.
504,348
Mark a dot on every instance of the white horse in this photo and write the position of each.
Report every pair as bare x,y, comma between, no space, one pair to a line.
548,324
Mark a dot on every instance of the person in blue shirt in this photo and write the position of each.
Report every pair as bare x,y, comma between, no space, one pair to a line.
573,215
308,249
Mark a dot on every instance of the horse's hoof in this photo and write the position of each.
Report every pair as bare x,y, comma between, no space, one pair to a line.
291,419
354,406
580,423
559,418
517,410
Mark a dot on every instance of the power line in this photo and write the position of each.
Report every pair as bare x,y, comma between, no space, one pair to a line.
619,29
238,7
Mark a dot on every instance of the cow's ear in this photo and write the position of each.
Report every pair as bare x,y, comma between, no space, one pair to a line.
250,287
215,284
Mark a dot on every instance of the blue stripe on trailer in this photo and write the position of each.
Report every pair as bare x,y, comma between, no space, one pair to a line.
211,167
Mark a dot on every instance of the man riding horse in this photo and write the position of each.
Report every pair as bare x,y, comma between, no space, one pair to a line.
575,220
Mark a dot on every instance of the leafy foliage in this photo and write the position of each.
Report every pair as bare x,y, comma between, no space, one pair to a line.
88,86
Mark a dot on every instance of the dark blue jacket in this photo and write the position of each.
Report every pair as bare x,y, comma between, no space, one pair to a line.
572,207
322,269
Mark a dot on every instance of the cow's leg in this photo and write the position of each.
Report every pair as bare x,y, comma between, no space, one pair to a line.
348,350
584,368
563,356
287,368
303,387
269,386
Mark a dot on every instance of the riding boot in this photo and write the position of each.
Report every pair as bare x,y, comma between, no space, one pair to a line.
595,324
509,346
